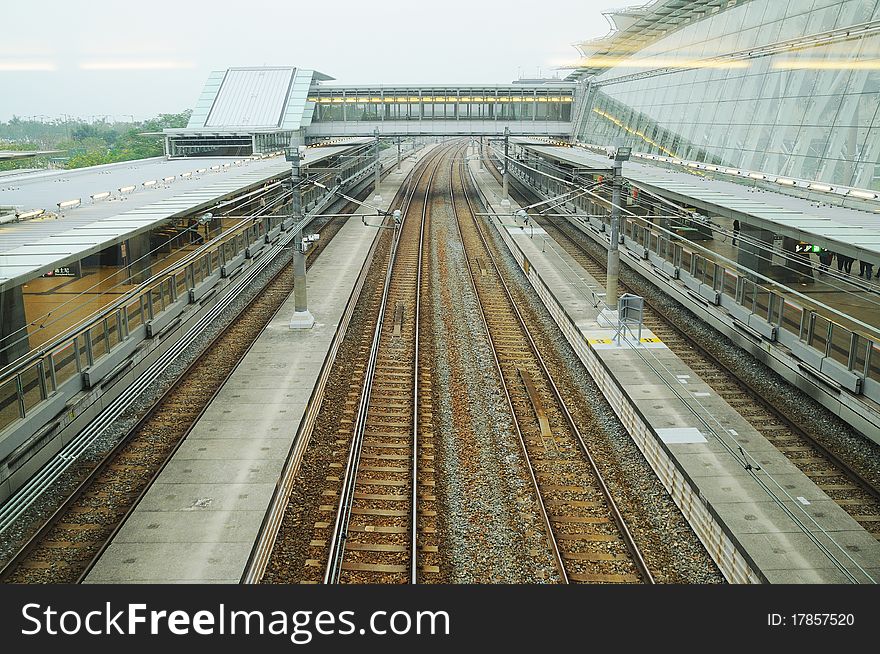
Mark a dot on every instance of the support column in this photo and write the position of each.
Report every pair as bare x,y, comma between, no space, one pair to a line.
399,169
505,183
137,258
302,317
613,249
13,326
377,196
754,248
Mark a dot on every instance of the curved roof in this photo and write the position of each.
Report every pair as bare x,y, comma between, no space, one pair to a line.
633,28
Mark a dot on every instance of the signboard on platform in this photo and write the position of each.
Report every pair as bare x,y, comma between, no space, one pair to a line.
64,271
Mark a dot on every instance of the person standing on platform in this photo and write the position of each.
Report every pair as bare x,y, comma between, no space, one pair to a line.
825,258
865,269
735,231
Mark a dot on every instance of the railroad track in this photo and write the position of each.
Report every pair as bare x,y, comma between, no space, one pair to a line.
384,498
589,537
831,473
64,547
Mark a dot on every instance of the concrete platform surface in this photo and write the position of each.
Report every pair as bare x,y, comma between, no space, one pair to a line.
789,529
200,519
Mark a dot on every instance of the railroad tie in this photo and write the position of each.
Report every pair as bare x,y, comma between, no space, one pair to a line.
537,405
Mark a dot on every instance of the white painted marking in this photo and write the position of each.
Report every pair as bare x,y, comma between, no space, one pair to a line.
803,500
681,435
734,432
702,394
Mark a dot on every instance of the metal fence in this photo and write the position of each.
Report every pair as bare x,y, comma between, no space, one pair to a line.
813,337
31,380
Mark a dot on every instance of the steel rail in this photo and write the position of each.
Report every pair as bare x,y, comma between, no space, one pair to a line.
542,507
261,553
747,388
627,537
339,534
48,475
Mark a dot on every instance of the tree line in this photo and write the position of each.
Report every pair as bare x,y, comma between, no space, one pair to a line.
85,143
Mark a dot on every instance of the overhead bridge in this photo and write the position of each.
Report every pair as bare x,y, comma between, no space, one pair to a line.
246,111
525,109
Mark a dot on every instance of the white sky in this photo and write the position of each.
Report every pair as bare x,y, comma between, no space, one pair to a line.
95,57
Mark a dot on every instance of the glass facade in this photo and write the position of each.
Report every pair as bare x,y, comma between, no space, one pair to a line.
508,103
786,109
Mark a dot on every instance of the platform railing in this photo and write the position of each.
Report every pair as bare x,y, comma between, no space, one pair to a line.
31,380
28,382
848,348
837,353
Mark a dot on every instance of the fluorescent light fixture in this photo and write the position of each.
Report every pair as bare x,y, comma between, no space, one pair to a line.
168,180
69,204
27,215
135,65
226,165
865,195
693,164
100,196
715,168
127,189
13,66
215,167
202,170
185,175
820,187
732,171
757,176
786,182
150,183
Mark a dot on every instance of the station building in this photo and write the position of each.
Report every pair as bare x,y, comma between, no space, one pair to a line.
784,88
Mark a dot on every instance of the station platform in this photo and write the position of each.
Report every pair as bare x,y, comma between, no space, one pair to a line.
33,247
199,521
840,229
760,518
56,302
855,298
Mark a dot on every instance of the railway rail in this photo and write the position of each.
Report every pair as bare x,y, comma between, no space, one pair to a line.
590,539
65,546
830,472
384,498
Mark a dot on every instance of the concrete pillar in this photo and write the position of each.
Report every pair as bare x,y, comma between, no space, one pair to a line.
753,248
613,249
137,258
377,180
798,266
302,317
505,183
13,326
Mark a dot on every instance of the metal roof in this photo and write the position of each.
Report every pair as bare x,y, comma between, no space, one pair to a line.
17,154
852,232
40,246
253,99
